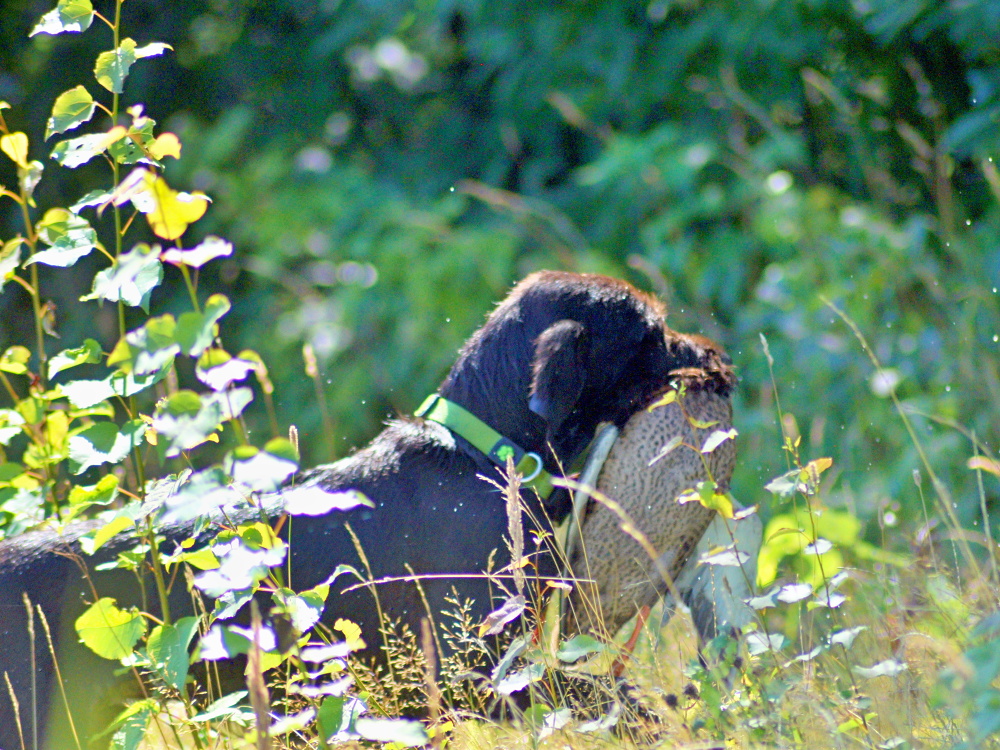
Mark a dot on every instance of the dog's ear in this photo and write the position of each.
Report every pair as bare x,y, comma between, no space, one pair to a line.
559,371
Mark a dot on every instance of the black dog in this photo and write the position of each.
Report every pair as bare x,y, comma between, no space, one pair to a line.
561,354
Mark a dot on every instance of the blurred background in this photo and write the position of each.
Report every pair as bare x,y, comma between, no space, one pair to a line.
388,169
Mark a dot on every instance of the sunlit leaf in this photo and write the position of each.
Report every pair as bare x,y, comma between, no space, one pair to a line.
727,557
102,443
759,642
10,259
11,423
166,144
71,109
337,716
579,646
86,393
313,500
716,439
93,198
202,493
112,67
770,599
517,647
846,637
148,348
102,493
221,372
131,724
167,648
89,352
317,654
108,631
94,540
830,600
135,146
819,547
73,152
517,681
293,722
186,419
15,145
239,567
131,278
794,592
196,331
168,212
404,732
28,178
887,668
495,620
15,360
68,16
71,237
259,470
208,249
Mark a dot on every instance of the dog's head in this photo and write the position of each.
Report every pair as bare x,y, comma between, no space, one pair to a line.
564,352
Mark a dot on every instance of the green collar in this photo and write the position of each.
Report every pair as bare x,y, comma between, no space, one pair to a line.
497,448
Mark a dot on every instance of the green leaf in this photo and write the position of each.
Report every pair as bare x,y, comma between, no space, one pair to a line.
108,631
578,647
28,178
338,714
202,493
94,540
519,680
131,278
195,331
167,648
10,258
759,642
70,236
73,152
15,145
15,360
146,349
71,109
112,67
93,198
102,443
186,419
68,16
405,732
102,493
131,725
89,352
10,426
132,149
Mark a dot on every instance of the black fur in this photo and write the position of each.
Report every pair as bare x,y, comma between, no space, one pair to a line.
562,353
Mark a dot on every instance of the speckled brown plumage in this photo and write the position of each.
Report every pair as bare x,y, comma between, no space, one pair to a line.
621,569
